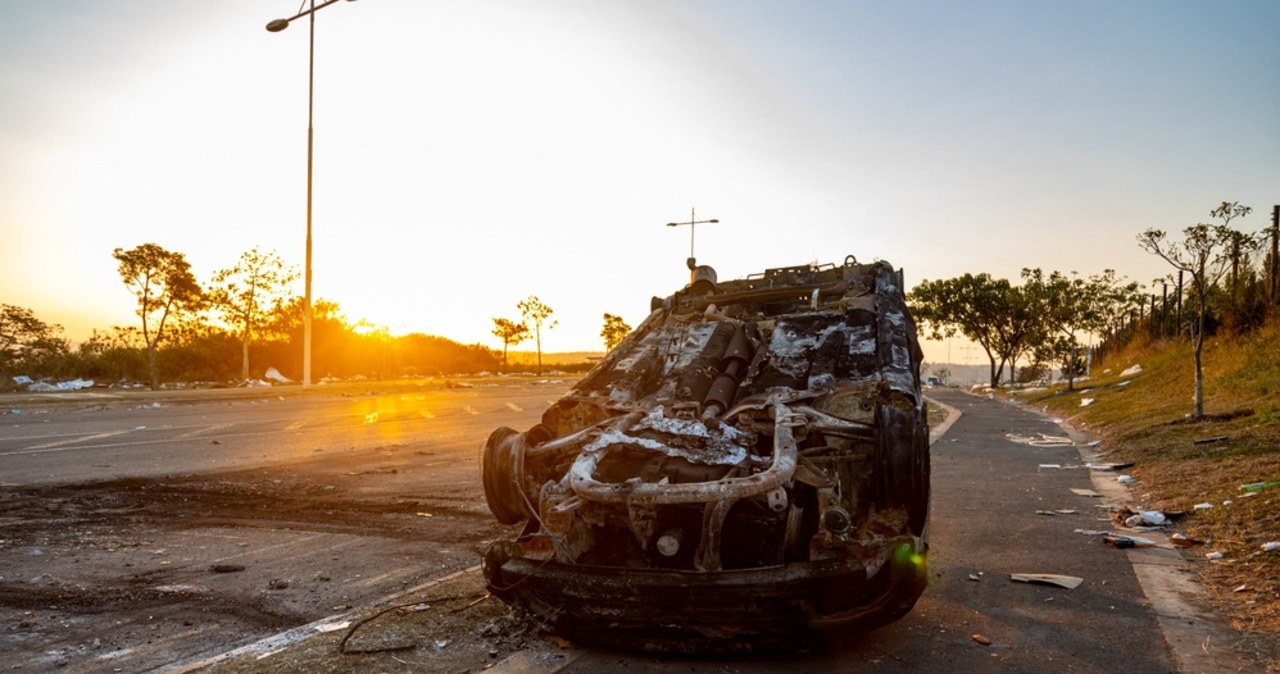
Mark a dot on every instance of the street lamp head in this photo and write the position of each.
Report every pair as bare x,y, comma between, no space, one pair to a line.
713,220
277,25
673,224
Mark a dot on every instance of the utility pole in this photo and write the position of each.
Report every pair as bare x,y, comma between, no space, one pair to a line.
1275,252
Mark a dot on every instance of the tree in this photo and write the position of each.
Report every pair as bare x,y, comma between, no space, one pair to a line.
1198,255
24,337
615,329
164,285
979,307
245,293
537,313
511,333
1069,306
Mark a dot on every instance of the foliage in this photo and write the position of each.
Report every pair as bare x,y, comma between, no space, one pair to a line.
511,333
1067,306
981,308
164,285
537,313
28,342
614,331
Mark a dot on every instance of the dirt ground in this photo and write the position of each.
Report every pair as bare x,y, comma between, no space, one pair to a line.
131,575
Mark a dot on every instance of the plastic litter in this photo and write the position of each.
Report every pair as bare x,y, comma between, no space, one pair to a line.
1181,541
1147,518
1271,546
1126,479
1213,556
981,639
1085,492
274,375
1202,506
1085,402
1255,487
1135,369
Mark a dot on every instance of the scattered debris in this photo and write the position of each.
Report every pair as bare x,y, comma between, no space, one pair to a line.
1182,541
1271,546
1122,541
977,578
1136,369
1050,513
227,568
1050,465
1213,556
1067,511
1086,492
1241,588
1202,506
274,375
1146,519
1255,487
278,584
1209,441
46,387
1126,479
1069,582
1085,402
332,627
1108,467
982,640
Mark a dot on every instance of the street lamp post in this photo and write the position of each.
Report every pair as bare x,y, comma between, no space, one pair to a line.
693,223
276,26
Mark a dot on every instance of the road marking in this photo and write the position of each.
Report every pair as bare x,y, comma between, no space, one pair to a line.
515,408
295,425
470,410
70,441
206,429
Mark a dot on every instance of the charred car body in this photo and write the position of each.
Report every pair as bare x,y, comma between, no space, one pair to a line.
748,470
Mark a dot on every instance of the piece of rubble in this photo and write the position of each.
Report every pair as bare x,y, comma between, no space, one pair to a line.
1069,582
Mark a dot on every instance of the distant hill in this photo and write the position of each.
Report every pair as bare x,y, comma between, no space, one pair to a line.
564,358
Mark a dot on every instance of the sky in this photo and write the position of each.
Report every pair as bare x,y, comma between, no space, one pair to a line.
470,154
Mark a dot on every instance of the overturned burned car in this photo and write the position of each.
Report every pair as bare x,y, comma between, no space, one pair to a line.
748,470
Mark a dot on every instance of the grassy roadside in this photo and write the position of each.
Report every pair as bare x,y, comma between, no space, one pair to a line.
1143,418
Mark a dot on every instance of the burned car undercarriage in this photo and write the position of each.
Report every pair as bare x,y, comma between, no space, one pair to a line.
748,470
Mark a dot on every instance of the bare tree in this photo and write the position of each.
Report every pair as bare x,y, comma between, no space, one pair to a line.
537,313
164,285
245,293
1198,255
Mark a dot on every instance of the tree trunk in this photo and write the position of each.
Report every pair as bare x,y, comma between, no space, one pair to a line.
538,336
151,367
244,359
1197,346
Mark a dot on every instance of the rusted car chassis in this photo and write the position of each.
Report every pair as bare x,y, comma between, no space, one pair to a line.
747,471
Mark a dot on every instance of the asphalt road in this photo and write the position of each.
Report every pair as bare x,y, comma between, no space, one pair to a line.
990,481
97,436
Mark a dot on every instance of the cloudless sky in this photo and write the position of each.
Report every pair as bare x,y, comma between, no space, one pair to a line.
469,154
